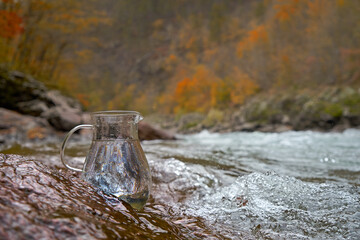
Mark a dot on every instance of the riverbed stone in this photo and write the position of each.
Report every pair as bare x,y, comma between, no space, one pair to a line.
26,95
149,132
63,119
18,127
191,122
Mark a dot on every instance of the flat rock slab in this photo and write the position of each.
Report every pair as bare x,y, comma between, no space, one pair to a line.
38,202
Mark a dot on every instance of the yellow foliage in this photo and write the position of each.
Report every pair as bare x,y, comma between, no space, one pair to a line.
141,103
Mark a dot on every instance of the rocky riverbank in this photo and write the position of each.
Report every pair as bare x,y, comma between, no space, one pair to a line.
31,111
326,109
28,110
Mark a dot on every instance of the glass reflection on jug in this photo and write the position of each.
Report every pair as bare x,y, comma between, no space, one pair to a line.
116,163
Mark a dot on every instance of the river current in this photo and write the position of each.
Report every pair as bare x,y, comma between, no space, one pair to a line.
291,185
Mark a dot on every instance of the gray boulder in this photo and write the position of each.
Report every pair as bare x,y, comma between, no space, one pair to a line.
66,113
16,127
24,94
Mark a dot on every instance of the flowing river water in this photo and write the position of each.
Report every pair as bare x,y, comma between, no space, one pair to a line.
292,185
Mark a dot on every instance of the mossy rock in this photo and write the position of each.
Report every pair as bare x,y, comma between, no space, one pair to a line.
213,117
318,110
16,87
351,101
263,112
333,109
190,120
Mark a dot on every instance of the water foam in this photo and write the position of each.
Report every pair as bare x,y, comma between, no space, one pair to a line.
281,206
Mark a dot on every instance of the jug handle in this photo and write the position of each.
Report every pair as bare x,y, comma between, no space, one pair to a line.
63,146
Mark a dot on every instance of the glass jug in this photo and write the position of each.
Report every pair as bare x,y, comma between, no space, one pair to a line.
116,163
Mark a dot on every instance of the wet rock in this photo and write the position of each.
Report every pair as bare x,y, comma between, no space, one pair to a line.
24,94
16,87
148,132
191,122
282,128
17,127
354,120
331,108
33,107
38,202
66,114
247,127
63,119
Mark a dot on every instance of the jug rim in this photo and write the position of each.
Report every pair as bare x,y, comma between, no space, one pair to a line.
115,113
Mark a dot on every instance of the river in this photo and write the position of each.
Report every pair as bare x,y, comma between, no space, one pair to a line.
291,185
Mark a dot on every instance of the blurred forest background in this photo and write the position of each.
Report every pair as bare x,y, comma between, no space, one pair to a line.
181,56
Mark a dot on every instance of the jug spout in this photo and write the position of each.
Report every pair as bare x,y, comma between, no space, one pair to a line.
138,118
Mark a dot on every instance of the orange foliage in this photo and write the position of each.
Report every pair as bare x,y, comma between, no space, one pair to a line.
285,58
159,23
340,3
285,9
11,24
243,87
255,36
317,8
185,95
190,43
84,55
258,34
83,99
194,94
172,58
205,90
169,62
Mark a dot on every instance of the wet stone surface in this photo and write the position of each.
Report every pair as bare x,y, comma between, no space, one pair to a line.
37,202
